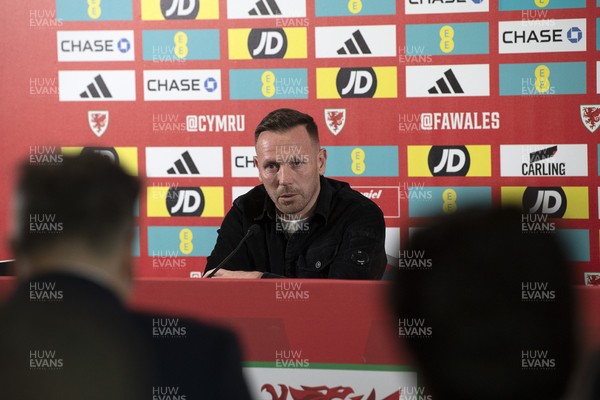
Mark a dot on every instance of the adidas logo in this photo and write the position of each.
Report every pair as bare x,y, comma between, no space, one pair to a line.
265,7
355,45
442,84
181,164
96,90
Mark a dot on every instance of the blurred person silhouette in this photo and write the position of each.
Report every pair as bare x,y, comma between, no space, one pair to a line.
498,306
66,333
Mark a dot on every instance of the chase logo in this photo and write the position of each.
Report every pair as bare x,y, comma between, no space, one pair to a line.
434,201
164,201
94,10
181,45
556,202
95,45
247,44
156,10
445,6
561,35
126,157
351,8
367,161
509,5
175,85
367,82
449,161
448,39
184,241
543,79
355,41
260,84
243,9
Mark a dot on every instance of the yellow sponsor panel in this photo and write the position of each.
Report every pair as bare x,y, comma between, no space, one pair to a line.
238,43
577,200
214,202
128,159
151,11
480,157
387,83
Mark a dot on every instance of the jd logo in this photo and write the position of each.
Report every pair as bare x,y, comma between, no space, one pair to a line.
551,201
449,161
267,43
185,202
108,152
180,9
356,82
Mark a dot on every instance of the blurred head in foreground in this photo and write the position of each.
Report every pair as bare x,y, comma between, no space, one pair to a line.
497,306
76,216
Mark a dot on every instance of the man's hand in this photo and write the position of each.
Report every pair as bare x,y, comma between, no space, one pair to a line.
225,273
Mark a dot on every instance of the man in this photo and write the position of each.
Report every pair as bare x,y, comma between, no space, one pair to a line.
310,226
492,314
65,332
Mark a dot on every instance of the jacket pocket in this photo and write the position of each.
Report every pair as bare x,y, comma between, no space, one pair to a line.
315,262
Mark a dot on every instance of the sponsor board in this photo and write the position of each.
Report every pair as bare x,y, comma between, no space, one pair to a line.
243,9
345,8
576,243
135,251
95,46
355,41
569,202
181,45
469,161
325,381
175,201
156,10
445,7
362,82
182,241
509,5
182,84
368,161
248,44
237,191
96,85
101,10
392,246
538,160
165,162
431,201
126,157
242,162
387,198
268,84
447,39
543,79
448,80
559,35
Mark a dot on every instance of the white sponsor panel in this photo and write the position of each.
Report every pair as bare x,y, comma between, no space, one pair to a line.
192,162
242,162
598,77
358,383
96,85
355,41
392,245
183,84
95,45
445,7
237,191
557,35
448,80
242,9
537,160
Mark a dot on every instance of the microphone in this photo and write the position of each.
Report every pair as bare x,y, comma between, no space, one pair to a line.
254,229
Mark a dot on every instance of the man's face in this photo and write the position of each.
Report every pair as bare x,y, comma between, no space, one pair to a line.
289,165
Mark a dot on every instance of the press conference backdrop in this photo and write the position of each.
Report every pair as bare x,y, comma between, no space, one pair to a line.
426,107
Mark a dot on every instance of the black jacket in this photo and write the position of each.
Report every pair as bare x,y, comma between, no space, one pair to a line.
344,239
65,337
